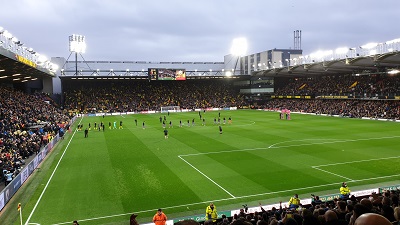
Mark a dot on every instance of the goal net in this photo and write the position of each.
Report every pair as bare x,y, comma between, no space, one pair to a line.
165,109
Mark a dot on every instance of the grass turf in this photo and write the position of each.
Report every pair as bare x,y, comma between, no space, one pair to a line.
106,177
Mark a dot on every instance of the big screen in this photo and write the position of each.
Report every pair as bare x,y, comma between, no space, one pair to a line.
166,74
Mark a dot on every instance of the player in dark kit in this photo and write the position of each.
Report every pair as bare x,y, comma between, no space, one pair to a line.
120,125
220,130
165,133
136,122
86,132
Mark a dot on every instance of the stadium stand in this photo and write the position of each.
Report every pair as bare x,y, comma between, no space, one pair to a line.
331,212
142,95
366,86
27,122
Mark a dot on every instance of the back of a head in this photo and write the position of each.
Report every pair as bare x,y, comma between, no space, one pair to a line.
372,219
360,209
187,222
397,213
330,216
342,205
366,202
239,222
291,221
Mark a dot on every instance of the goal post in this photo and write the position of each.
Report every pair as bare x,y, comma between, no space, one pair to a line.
166,109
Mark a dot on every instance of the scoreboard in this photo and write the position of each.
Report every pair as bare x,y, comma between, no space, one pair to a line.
166,74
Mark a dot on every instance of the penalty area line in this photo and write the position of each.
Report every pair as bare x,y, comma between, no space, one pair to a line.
332,173
207,177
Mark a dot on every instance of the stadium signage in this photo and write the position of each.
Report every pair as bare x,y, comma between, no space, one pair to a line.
289,96
200,218
26,61
333,96
390,188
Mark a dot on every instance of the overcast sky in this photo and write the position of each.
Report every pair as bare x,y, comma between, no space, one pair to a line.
202,30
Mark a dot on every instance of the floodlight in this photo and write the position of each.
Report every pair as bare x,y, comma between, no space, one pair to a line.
393,41
328,52
77,43
239,46
41,59
318,54
53,67
392,72
342,50
369,45
14,39
7,34
228,73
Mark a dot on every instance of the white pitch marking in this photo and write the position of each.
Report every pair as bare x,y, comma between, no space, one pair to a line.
285,146
365,160
331,173
208,177
48,182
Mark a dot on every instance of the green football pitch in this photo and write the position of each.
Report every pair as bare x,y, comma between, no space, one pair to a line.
106,177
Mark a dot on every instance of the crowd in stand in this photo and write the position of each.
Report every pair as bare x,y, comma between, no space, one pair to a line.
144,96
27,122
368,86
347,108
381,207
364,89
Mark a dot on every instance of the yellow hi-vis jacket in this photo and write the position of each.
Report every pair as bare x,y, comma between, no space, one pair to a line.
211,213
344,190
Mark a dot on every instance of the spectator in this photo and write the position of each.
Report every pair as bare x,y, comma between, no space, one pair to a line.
397,216
372,219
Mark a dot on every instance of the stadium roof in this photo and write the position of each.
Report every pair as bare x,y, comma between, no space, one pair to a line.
16,68
358,65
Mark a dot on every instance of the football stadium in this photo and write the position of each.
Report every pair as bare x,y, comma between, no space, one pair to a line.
255,139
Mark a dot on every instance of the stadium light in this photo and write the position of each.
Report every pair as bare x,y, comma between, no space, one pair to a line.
393,41
41,59
341,50
369,45
238,49
7,34
392,72
77,43
239,46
